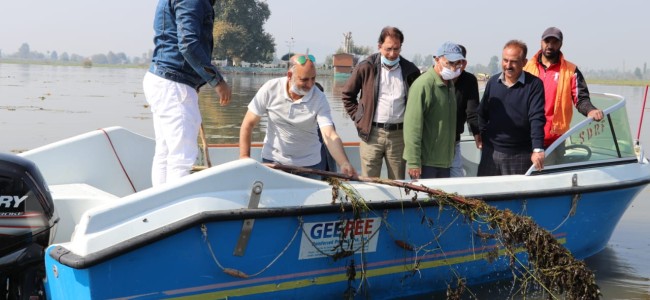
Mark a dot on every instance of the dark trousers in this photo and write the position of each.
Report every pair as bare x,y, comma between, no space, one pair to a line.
498,163
435,172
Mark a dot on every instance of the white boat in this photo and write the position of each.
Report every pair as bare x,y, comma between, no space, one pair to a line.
242,229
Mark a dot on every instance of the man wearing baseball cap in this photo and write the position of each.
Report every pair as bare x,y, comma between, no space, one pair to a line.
430,117
564,87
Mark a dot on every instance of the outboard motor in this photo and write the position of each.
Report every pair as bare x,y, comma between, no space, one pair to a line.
26,218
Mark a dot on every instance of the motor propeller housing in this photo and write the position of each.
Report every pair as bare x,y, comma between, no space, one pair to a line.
26,222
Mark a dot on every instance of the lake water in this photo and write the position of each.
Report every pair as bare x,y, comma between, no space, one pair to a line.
43,104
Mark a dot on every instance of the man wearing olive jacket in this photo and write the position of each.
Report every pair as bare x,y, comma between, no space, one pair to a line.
430,118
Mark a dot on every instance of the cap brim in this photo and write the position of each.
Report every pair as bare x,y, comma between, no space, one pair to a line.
551,35
454,57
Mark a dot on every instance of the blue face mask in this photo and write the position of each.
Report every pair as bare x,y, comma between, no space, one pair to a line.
388,62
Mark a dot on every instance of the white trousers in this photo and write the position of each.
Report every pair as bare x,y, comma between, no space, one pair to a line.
176,123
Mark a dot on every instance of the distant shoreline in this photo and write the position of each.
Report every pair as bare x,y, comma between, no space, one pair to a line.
266,71
70,64
282,71
618,82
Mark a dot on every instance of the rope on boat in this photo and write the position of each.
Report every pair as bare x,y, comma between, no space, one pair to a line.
119,160
359,204
645,97
572,212
551,265
237,273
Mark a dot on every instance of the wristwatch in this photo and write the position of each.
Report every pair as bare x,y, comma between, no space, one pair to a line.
538,150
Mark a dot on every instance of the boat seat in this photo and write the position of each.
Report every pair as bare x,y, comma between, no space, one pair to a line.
123,157
71,201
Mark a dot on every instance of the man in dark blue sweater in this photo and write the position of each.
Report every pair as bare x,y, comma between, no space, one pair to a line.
511,117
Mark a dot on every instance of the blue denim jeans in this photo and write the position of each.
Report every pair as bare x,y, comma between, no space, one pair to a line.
457,164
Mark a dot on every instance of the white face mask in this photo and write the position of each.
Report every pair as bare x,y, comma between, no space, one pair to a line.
389,62
448,74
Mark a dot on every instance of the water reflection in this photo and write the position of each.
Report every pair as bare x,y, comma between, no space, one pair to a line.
222,124
620,279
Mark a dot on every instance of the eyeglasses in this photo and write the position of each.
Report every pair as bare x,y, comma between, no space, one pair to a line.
394,49
453,65
303,59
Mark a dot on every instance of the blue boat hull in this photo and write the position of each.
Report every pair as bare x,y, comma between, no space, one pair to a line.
401,249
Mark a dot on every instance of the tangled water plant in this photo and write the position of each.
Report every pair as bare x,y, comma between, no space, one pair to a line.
550,264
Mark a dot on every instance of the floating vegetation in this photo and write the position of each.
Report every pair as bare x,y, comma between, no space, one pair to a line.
457,292
550,265
21,108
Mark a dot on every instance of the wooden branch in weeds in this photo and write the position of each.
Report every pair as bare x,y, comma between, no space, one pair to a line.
554,267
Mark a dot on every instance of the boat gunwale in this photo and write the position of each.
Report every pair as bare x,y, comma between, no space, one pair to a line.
584,165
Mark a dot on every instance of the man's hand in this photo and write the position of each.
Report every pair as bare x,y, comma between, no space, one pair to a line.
415,173
224,92
596,114
538,160
348,169
479,141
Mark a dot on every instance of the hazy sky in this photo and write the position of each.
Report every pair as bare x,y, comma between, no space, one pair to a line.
598,34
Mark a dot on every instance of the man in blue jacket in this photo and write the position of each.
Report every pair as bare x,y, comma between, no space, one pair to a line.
181,64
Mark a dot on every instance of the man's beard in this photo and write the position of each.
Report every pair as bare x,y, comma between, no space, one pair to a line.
551,56
298,91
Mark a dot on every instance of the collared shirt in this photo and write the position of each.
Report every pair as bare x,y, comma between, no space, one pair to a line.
522,79
292,126
391,102
511,119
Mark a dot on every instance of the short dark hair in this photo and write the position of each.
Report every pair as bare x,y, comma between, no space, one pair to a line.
393,32
463,50
518,44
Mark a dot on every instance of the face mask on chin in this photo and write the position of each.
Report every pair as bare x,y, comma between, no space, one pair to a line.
294,89
448,74
389,62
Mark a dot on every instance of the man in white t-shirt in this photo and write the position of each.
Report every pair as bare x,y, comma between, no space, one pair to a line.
295,110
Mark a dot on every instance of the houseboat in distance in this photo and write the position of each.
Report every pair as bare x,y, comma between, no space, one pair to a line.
343,63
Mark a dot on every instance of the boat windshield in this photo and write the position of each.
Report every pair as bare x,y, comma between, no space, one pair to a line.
591,142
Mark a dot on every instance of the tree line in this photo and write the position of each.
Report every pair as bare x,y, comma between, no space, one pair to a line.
239,36
25,53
